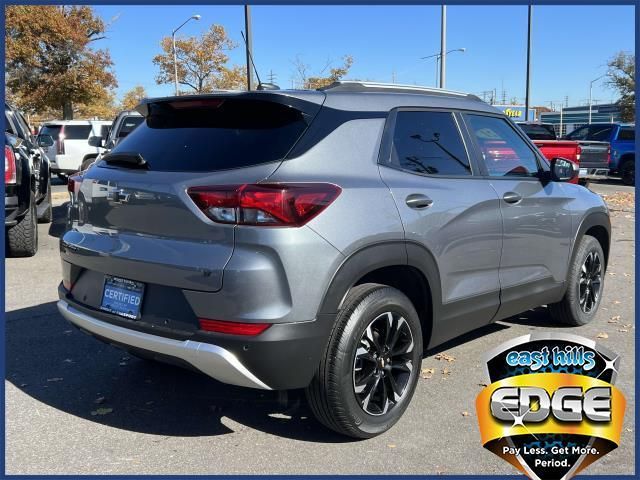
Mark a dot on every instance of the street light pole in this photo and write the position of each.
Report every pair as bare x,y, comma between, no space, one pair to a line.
591,93
175,55
443,46
249,47
526,103
438,57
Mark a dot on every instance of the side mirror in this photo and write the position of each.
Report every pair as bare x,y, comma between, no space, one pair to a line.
45,141
563,170
96,141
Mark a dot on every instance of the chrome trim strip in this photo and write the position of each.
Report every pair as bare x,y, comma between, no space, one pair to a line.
210,359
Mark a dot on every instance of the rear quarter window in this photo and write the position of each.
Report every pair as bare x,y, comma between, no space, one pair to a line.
216,134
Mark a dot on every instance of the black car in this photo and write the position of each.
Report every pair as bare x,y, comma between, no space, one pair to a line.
27,196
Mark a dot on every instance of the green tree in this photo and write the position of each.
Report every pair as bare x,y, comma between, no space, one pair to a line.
622,77
50,62
202,62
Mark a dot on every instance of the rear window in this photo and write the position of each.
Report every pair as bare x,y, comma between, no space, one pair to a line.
538,132
627,134
53,130
76,132
128,125
214,134
600,133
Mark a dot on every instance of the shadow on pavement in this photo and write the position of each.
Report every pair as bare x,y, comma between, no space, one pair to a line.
56,364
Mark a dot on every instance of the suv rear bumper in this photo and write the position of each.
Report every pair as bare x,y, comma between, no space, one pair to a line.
283,357
210,359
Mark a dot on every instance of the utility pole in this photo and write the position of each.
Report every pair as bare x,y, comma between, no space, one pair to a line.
249,47
526,101
393,76
272,77
443,46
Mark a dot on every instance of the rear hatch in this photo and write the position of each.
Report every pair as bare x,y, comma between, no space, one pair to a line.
137,221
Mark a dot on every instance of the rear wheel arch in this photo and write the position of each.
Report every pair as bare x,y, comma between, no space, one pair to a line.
598,225
387,264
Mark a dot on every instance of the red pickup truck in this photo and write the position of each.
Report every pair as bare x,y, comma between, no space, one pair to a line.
591,157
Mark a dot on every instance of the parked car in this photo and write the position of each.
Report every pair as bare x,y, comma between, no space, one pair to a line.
124,123
543,136
622,138
27,186
353,226
71,147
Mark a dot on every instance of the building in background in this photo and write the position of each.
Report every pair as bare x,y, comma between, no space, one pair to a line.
570,118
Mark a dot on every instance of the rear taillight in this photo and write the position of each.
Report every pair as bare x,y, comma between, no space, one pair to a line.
73,183
9,165
266,204
578,152
232,328
60,143
609,154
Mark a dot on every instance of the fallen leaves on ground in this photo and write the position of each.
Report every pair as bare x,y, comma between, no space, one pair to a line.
446,372
445,356
614,319
620,201
465,414
427,372
602,335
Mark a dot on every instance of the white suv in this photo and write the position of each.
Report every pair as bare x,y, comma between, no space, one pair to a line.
71,147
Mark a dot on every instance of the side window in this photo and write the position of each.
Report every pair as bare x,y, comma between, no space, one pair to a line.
627,134
579,134
504,152
429,143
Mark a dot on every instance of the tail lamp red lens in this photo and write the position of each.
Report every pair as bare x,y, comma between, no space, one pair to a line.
232,328
266,204
73,183
9,165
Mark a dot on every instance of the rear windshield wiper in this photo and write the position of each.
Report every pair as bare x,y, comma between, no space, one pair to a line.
126,159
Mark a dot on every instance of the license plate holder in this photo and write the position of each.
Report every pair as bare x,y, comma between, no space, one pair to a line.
122,297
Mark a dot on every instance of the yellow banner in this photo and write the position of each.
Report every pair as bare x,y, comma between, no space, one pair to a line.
492,429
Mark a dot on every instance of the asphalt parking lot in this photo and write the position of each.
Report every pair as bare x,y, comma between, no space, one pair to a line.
77,406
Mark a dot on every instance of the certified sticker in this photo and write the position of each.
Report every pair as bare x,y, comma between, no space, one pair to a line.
551,408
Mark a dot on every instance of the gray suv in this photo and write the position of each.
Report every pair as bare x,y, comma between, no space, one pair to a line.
325,239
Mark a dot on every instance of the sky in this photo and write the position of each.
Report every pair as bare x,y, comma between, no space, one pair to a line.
570,44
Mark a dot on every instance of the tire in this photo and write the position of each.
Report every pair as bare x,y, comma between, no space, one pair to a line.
585,285
348,361
63,177
47,215
628,172
22,239
87,162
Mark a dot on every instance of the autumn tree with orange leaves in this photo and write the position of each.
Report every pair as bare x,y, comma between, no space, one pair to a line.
50,59
202,62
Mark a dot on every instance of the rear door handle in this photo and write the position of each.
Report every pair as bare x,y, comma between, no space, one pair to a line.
512,197
418,201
